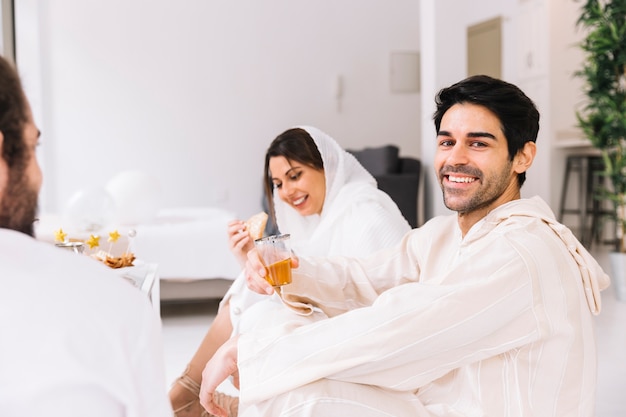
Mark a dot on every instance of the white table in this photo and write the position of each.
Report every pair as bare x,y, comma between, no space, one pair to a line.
189,245
145,276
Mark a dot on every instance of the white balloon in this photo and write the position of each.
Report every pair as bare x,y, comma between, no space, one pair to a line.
90,209
137,196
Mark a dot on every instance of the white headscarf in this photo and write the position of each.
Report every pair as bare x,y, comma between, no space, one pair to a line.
345,179
357,218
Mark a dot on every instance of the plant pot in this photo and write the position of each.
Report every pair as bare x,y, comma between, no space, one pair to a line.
618,278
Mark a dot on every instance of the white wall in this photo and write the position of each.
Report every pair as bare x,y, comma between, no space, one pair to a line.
192,92
444,26
539,54
566,94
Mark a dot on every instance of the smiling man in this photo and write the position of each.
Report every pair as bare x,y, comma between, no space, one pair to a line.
488,312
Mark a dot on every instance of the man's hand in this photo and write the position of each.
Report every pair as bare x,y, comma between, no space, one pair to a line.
221,366
255,273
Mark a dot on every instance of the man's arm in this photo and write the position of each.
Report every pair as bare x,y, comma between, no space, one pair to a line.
411,335
337,285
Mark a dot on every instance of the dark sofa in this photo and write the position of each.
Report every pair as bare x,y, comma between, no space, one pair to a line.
397,176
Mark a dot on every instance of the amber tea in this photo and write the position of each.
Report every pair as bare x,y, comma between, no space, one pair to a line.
279,273
276,254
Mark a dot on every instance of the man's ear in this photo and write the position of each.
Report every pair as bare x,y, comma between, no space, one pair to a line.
525,157
4,168
1,146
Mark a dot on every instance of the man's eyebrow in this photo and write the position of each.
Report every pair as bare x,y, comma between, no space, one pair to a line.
471,134
481,135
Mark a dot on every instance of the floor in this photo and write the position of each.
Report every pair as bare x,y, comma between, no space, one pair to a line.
611,340
185,324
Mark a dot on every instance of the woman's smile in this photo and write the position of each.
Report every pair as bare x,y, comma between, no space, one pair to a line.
299,201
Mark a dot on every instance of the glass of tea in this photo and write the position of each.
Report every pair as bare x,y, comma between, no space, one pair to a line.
76,247
276,254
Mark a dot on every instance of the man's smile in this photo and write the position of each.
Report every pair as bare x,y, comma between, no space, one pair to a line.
460,179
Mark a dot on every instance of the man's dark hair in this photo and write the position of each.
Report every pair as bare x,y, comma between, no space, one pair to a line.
18,204
13,115
517,113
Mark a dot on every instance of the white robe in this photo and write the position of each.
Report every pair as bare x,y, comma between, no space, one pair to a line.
75,338
496,323
357,219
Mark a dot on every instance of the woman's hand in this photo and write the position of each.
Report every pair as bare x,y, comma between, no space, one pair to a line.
221,366
255,273
239,241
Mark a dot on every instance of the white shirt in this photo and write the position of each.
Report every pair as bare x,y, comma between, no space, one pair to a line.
75,338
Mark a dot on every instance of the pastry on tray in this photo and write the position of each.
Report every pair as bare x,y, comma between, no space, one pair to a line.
115,262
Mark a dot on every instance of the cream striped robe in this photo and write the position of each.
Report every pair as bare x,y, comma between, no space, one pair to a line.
496,323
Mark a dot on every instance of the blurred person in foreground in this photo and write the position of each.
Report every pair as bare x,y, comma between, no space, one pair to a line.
488,312
77,340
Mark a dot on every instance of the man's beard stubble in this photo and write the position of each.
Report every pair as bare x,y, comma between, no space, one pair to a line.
18,206
485,196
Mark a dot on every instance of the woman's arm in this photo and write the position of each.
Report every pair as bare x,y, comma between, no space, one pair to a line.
239,240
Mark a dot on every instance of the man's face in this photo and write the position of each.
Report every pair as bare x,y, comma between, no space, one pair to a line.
20,185
472,161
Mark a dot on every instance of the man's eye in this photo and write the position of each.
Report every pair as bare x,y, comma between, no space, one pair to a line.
479,144
446,143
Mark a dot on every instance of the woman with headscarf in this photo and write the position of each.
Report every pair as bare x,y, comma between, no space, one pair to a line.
328,203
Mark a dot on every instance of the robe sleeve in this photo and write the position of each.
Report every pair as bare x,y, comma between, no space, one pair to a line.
410,335
337,285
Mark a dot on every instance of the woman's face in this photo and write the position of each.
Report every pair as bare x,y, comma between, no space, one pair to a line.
299,185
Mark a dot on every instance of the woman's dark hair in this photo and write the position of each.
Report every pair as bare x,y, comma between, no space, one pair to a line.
13,115
517,113
295,145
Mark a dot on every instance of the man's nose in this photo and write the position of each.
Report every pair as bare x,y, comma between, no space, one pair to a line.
458,155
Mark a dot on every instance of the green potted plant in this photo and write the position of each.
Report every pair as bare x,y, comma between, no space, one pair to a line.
603,119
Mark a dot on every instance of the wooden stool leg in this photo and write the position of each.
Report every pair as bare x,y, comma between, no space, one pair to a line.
582,166
582,199
568,168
